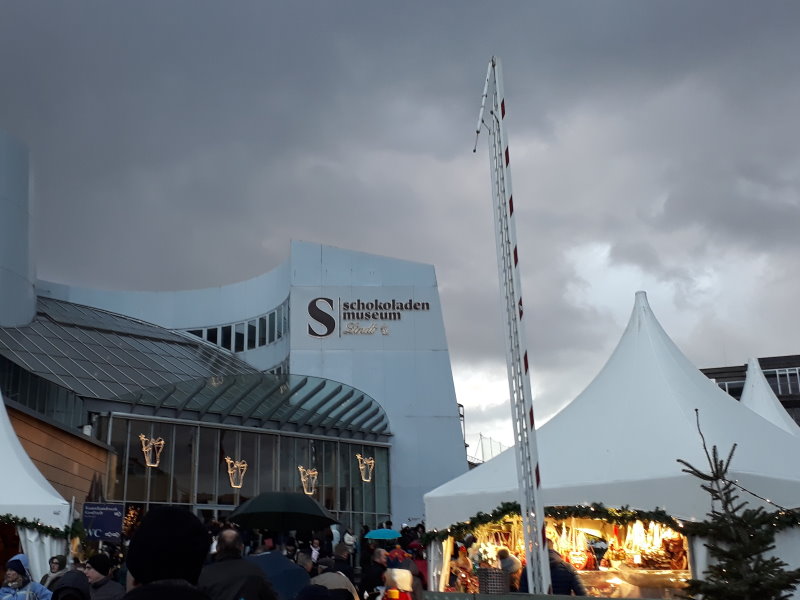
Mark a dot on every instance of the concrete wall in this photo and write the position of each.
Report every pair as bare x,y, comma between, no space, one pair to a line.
17,271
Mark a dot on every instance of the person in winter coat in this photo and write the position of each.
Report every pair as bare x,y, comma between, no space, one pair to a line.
373,576
100,585
72,586
58,566
349,540
563,576
166,555
18,585
231,577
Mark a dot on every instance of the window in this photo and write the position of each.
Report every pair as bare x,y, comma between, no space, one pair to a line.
279,319
226,337
239,337
211,334
262,331
197,332
271,327
251,335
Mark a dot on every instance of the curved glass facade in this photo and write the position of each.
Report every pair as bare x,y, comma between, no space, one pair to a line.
259,331
124,378
192,469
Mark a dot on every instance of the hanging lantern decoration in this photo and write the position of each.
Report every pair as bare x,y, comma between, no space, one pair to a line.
151,448
309,479
236,471
366,465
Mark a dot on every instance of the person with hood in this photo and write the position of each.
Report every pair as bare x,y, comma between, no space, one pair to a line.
18,585
166,555
58,566
72,586
102,587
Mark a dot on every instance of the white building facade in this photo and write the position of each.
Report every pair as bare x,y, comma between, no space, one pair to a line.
369,322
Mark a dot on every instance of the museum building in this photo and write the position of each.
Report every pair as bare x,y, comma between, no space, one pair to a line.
329,375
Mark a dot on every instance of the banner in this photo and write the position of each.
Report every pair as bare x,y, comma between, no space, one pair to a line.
103,521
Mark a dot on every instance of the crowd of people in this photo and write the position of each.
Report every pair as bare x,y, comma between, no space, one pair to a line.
173,555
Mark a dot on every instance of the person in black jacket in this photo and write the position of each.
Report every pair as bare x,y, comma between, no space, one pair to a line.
101,586
166,555
341,562
373,576
73,585
231,577
563,576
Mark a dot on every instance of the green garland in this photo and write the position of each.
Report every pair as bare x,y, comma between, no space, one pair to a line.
55,532
781,519
619,516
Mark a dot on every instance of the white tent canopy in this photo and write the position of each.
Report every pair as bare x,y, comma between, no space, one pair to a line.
28,495
758,396
618,442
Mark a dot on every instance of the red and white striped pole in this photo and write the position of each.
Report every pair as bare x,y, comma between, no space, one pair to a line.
516,343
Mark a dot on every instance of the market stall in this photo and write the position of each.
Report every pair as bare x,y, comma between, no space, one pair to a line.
618,443
617,553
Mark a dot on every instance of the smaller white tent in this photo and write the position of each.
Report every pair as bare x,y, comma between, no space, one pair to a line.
758,396
26,494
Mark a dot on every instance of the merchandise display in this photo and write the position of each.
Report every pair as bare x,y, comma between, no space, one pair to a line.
639,559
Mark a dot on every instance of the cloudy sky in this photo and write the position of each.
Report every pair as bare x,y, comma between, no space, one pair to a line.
655,145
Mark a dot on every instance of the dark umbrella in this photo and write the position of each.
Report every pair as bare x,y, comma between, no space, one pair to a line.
282,511
286,577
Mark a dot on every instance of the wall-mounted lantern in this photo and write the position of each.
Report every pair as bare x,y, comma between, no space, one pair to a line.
236,471
366,465
309,479
151,448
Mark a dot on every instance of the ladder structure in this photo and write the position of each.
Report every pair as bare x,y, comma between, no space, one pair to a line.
516,349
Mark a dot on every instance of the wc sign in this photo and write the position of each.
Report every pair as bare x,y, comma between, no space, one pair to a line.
103,521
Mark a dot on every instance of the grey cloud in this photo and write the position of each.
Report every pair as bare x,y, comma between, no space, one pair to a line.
190,141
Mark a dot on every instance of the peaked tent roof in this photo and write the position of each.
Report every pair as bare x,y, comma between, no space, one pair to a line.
28,494
618,442
758,396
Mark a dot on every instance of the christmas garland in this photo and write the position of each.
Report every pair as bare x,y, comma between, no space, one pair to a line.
781,519
619,516
55,532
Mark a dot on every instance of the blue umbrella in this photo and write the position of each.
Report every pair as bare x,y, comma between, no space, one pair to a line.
382,534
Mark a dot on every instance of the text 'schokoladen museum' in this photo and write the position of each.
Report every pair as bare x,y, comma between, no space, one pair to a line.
331,356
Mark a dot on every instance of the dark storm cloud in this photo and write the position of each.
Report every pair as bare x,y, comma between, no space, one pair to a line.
183,144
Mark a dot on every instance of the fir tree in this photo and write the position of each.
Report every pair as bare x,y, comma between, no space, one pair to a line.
739,540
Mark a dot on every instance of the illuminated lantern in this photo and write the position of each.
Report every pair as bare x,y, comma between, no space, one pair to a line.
236,471
309,479
151,448
366,465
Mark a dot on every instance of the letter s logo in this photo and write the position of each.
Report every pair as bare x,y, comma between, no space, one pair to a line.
320,316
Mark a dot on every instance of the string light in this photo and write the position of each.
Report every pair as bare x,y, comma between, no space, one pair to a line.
151,448
366,465
308,478
236,471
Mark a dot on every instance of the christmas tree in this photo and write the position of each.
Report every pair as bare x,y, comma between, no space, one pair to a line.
739,541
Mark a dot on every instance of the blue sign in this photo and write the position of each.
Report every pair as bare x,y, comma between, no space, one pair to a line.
103,521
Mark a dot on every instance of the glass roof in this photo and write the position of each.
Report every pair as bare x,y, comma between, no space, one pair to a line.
152,370
295,403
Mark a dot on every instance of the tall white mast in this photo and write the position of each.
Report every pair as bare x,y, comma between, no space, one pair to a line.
519,383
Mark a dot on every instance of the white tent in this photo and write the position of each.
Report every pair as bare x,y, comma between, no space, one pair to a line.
758,396
618,442
26,494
